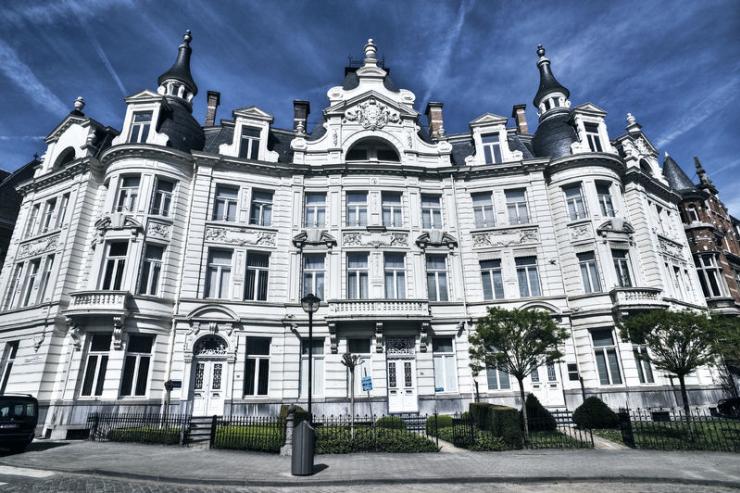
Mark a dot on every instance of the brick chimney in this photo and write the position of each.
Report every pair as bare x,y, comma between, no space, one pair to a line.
435,119
214,99
519,114
301,110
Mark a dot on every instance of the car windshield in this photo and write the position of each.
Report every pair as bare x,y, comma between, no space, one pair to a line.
16,409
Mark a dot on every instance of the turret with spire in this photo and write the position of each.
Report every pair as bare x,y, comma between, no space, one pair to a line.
676,176
551,95
177,82
704,181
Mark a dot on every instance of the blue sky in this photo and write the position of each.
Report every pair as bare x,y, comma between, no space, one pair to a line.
675,65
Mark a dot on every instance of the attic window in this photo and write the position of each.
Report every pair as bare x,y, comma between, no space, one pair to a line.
592,135
66,157
250,143
373,150
140,124
491,148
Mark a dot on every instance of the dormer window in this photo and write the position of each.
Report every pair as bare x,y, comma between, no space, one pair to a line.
372,150
249,145
592,135
491,148
140,125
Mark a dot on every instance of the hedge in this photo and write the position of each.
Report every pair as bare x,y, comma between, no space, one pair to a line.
539,418
333,440
145,434
390,423
593,413
443,421
505,422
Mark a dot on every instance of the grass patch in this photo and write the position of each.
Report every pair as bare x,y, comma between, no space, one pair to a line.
716,434
609,434
145,434
555,439
261,438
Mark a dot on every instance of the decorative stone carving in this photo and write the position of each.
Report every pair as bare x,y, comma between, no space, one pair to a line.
38,339
670,248
378,337
239,236
372,115
118,330
581,232
505,238
436,238
400,346
424,337
616,229
158,230
38,247
375,239
314,237
75,332
642,146
210,345
333,340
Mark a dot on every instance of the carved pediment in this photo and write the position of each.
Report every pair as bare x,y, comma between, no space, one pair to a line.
37,247
489,119
253,112
372,114
343,107
616,229
117,220
314,237
375,239
436,238
590,108
63,126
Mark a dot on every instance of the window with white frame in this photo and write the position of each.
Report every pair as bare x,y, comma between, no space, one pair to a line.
361,348
431,211
691,213
493,282
445,367
258,270
136,365
516,205
249,143
162,199
315,210
589,272
709,275
45,278
257,369
317,356
679,282
9,354
114,265
96,364
483,210
528,276
357,275
491,148
574,201
62,210
47,222
395,275
32,223
151,269
356,208
437,277
392,210
128,194
535,376
622,268
642,361
15,279
497,379
225,203
260,213
140,125
605,352
218,279
313,274
592,136
552,375
573,374
603,191
29,283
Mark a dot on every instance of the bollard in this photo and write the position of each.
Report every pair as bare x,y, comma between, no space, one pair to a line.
303,450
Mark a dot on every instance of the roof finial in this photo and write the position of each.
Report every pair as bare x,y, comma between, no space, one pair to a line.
548,82
666,154
79,103
631,120
370,52
540,51
187,38
180,70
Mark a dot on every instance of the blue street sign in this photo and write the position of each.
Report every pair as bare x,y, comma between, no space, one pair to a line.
367,384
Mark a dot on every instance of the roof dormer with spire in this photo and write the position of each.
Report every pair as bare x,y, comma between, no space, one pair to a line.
552,96
177,82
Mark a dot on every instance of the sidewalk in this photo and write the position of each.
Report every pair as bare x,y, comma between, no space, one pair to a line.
220,467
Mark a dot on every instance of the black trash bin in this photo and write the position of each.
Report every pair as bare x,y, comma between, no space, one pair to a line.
303,449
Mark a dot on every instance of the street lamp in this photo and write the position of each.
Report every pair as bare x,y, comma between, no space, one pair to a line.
310,304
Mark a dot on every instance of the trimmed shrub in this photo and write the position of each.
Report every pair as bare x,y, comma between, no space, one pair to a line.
443,421
505,422
593,413
480,413
390,423
539,418
485,441
338,440
299,414
145,434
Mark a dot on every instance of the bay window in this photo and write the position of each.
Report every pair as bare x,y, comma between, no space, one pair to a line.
114,265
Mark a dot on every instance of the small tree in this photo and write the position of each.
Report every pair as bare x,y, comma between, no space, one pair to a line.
727,342
350,361
679,342
516,342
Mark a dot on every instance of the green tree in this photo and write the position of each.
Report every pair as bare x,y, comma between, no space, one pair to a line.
517,342
727,342
679,342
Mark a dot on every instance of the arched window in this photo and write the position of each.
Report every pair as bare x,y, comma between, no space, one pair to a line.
644,166
66,157
210,345
373,150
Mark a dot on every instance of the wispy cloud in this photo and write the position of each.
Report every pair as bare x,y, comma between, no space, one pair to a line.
104,58
21,75
21,137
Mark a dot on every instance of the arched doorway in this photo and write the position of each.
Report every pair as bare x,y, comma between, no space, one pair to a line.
208,381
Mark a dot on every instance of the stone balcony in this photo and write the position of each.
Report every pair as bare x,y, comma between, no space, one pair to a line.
636,298
378,309
98,303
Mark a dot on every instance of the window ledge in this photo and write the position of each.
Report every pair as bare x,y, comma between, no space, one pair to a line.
578,222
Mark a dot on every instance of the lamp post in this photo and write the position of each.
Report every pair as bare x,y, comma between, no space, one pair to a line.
310,304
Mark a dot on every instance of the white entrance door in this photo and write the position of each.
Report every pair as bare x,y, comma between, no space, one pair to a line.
402,386
208,387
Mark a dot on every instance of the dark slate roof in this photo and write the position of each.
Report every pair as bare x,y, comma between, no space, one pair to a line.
215,136
677,178
352,81
178,124
279,141
554,136
462,149
548,82
318,131
515,144
180,70
10,200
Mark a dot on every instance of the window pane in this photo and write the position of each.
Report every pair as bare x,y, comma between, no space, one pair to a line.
87,384
100,342
258,346
358,346
614,366
141,377
128,375
442,344
264,376
140,344
602,337
101,374
249,376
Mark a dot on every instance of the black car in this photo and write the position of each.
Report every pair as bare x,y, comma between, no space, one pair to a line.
19,415
729,408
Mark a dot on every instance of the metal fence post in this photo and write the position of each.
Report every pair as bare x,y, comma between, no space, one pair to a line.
214,424
94,427
625,426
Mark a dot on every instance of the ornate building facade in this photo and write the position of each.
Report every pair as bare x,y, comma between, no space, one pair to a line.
174,251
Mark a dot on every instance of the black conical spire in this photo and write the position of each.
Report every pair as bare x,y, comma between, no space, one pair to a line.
548,82
180,70
677,178
704,179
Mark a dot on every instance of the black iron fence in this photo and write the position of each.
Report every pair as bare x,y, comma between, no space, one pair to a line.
346,434
264,434
675,430
168,429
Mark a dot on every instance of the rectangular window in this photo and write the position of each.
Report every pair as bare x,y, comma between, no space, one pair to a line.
437,277
605,198
357,275
356,208
15,280
162,199
573,372
96,365
642,360
361,348
589,272
224,207
317,349
574,202
605,352
691,214
445,368
551,374
47,222
497,379
313,274
261,209
491,148
136,365
128,194
218,280
257,372
592,135
29,283
622,268
709,275
315,210
395,275
493,283
431,211
62,210
11,350
32,223
115,265
151,269
258,269
528,277
483,210
392,217
140,124
249,144
516,205
45,278
535,375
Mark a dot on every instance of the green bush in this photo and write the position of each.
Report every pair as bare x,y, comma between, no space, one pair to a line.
145,434
262,438
479,412
505,422
485,441
593,413
539,418
299,414
338,440
390,423
443,421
